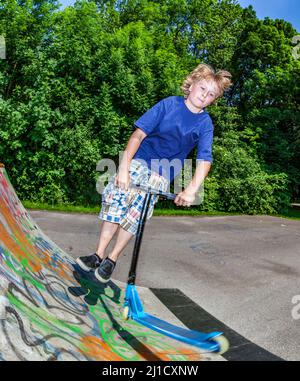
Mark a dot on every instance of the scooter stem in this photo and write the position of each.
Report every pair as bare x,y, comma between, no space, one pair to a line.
141,225
138,240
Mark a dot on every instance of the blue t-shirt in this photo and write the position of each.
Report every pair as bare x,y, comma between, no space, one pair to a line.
172,132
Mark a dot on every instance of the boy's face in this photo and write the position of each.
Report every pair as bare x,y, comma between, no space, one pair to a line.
202,94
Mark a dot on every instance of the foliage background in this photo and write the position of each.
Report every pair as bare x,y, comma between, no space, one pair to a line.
74,81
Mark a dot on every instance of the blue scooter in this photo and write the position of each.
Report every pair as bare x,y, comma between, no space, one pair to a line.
133,308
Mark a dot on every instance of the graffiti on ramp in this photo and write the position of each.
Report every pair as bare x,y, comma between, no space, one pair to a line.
50,310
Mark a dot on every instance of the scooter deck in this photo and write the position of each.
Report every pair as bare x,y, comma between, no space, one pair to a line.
195,338
136,312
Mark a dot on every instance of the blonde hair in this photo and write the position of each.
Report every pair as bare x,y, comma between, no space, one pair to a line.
222,78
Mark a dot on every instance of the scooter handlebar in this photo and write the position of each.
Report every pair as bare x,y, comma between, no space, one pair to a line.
169,196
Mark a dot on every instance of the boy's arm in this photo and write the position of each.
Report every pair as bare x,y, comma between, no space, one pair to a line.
135,140
187,197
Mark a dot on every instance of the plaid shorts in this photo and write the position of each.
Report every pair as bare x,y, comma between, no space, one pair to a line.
124,207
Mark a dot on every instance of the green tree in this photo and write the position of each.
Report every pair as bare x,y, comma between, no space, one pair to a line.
76,80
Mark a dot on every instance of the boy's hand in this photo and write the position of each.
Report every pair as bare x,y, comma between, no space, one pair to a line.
122,179
185,198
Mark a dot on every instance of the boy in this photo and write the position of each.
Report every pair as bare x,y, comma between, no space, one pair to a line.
167,132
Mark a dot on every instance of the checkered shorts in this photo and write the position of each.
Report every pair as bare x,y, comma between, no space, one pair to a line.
124,207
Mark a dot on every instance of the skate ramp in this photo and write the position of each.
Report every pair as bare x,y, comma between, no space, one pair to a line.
50,310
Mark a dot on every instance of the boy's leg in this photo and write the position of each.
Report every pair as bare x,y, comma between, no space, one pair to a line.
104,272
129,219
122,240
93,261
108,230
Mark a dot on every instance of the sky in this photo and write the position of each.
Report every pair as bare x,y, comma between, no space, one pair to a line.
288,10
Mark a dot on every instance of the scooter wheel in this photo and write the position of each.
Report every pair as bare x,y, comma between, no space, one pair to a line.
125,313
222,342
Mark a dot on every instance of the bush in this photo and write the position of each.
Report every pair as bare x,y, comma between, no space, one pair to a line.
237,183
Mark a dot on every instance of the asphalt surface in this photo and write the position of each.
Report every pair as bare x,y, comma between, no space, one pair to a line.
243,270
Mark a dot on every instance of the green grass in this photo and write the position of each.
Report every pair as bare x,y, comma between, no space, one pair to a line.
291,213
60,208
190,212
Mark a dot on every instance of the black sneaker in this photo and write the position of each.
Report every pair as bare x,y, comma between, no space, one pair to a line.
104,271
89,262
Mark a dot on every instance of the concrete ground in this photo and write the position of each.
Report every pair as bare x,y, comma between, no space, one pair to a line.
243,270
